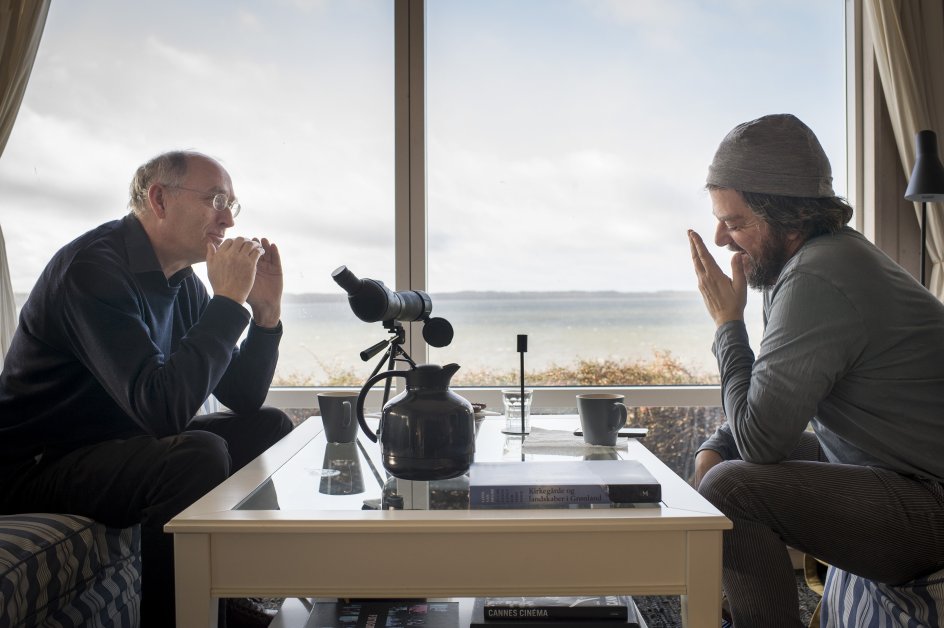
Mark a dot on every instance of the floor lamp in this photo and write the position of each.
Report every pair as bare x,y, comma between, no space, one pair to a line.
927,182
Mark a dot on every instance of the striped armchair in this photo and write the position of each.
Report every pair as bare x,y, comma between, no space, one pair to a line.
853,601
61,571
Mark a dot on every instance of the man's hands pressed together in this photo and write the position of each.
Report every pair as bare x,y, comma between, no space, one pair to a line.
725,297
265,298
248,271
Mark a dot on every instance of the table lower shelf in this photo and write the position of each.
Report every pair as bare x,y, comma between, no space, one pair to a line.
296,613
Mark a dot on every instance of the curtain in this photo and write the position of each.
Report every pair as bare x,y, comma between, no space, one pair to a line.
908,40
21,27
7,307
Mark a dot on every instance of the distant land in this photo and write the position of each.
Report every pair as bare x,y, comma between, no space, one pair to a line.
325,297
310,297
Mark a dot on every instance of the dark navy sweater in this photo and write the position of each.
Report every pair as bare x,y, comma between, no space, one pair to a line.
107,347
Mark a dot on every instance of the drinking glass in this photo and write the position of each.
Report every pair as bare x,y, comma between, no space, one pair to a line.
511,398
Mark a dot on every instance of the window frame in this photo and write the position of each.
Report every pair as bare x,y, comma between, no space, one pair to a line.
411,208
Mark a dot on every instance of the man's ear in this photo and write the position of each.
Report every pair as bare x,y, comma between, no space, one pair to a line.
156,199
795,240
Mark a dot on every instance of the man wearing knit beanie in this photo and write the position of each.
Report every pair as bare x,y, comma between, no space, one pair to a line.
852,347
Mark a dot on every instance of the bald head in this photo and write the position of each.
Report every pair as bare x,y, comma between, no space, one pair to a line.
167,168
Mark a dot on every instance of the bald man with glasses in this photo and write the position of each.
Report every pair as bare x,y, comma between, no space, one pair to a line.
119,345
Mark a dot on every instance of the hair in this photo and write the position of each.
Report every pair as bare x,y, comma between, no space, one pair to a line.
808,216
168,169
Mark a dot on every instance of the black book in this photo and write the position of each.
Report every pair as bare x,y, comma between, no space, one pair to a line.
384,614
561,484
585,615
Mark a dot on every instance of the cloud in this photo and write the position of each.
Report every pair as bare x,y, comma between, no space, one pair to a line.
178,59
248,20
307,6
53,181
568,154
497,221
661,25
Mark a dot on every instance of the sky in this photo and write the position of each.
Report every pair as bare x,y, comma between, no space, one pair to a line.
568,140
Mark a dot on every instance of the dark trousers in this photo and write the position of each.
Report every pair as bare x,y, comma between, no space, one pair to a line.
145,480
872,522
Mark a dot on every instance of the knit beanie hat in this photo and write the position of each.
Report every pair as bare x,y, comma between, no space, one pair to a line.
776,154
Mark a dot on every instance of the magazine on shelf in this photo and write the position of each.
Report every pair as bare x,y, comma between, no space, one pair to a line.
384,614
560,484
529,618
612,607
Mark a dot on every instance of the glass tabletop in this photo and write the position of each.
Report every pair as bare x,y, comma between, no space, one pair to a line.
351,476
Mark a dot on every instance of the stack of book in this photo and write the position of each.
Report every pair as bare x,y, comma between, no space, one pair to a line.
561,484
384,614
604,611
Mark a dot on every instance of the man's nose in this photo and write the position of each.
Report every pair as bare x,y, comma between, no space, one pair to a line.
226,218
722,237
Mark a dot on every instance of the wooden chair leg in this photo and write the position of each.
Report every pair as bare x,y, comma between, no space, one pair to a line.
814,618
814,572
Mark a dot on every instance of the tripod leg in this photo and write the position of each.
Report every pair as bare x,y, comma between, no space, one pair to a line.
383,359
392,356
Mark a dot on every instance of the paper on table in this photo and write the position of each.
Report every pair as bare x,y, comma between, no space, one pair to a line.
561,443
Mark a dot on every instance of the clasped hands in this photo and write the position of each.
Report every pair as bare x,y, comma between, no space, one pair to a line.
248,271
725,297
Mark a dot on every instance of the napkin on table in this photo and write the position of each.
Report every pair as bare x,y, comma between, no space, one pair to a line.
561,443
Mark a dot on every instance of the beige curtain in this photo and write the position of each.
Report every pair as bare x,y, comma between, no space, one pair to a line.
7,306
21,26
909,54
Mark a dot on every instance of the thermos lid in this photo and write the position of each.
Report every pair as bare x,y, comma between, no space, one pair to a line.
430,376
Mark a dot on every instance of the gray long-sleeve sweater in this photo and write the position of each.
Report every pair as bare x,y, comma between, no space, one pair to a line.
852,344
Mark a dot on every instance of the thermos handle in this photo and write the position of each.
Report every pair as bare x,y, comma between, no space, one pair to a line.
362,397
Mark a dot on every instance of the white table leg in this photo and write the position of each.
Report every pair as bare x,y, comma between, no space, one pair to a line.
196,608
701,608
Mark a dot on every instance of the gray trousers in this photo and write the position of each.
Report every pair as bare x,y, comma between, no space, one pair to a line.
872,522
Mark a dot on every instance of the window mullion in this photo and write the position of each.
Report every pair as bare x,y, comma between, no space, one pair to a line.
410,151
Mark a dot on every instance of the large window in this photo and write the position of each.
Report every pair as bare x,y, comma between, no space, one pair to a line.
294,98
566,146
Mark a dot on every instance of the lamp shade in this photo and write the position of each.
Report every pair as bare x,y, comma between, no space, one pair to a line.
927,177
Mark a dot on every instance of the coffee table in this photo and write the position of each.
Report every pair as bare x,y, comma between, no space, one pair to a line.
283,527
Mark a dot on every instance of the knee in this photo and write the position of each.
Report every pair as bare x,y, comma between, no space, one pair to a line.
719,482
192,464
203,455
278,422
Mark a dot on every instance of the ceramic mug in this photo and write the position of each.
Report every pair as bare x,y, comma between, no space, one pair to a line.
601,417
337,414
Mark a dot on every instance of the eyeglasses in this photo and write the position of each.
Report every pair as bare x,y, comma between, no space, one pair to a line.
220,201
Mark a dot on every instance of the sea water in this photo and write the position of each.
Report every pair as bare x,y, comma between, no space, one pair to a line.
323,337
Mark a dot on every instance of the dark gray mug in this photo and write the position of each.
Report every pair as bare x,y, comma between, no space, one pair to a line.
337,414
601,417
